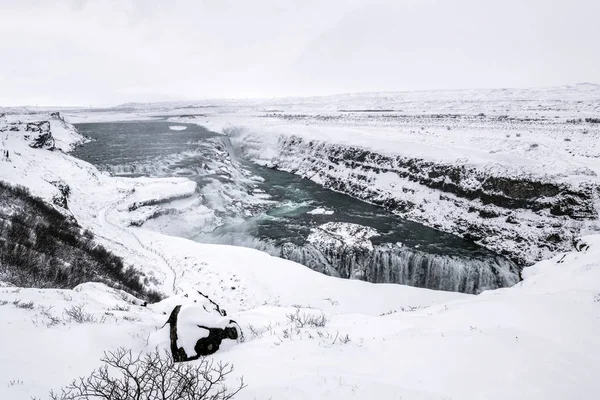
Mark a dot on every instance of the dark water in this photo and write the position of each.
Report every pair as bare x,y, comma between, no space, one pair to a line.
282,224
297,196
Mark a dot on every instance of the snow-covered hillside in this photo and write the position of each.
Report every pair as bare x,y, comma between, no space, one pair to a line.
536,340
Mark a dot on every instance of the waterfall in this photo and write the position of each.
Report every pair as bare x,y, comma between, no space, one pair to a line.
389,263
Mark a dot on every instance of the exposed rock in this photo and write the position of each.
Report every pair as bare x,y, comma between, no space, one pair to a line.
196,327
56,115
183,329
61,199
40,135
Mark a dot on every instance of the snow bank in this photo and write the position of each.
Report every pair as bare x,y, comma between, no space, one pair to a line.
320,211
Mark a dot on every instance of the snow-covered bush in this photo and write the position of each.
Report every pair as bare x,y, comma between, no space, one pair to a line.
78,314
152,376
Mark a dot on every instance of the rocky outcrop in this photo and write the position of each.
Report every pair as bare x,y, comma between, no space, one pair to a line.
523,217
61,198
39,135
56,115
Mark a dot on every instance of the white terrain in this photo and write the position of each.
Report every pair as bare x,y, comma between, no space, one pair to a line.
514,170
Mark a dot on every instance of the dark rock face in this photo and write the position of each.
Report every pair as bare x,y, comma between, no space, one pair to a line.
505,192
211,344
40,136
62,198
204,345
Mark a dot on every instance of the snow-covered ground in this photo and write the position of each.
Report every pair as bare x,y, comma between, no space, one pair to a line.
536,340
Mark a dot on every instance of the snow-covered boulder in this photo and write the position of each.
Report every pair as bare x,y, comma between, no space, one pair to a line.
196,327
342,234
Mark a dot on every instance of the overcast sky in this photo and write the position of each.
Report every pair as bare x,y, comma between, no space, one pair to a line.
106,52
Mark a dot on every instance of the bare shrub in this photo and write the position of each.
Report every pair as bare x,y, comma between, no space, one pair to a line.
78,314
45,311
345,339
152,376
302,319
28,306
253,331
121,308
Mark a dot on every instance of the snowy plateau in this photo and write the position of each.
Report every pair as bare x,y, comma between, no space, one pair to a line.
514,170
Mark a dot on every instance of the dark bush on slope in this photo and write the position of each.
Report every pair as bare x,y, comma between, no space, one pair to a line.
153,376
40,247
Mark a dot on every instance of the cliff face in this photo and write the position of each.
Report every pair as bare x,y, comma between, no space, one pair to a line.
521,216
51,132
39,135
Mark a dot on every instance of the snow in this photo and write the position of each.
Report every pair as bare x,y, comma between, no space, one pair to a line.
177,127
347,234
536,340
321,211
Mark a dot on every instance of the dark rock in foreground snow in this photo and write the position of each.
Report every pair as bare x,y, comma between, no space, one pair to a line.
183,328
196,327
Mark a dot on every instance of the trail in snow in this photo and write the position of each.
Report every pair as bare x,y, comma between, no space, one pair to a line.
170,270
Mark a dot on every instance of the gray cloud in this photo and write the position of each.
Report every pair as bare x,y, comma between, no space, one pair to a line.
111,51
